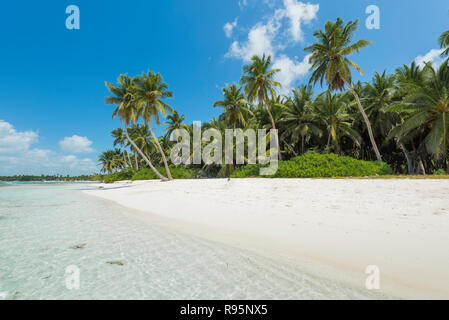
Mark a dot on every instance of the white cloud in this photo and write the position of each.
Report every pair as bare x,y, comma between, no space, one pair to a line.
228,27
299,13
259,42
291,71
433,56
76,144
12,141
283,27
243,3
278,31
17,156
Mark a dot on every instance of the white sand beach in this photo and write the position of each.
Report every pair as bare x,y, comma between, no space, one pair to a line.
336,227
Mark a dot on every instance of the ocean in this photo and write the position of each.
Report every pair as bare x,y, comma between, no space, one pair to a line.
58,243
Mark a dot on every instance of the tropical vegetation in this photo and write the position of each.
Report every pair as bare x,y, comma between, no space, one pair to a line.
394,123
316,165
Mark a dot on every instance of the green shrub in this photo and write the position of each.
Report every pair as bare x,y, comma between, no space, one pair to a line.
315,165
250,170
440,172
176,172
120,176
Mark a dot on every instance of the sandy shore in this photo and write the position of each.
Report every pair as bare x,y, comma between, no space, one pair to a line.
337,226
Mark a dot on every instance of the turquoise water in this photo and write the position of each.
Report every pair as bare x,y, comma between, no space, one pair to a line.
44,229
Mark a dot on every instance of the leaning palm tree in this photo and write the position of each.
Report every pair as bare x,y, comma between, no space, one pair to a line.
120,140
127,112
331,111
259,84
235,106
298,118
329,62
141,136
149,90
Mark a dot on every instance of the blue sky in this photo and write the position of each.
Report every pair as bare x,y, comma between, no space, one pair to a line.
52,113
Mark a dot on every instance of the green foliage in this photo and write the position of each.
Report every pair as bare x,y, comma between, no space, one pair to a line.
177,173
315,165
96,177
440,172
120,176
248,171
406,114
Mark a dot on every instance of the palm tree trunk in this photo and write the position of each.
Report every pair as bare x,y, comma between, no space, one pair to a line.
409,161
290,147
129,159
273,125
421,166
136,160
124,160
144,157
167,169
302,144
365,118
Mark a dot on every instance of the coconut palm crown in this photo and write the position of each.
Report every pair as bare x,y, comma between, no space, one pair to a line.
149,91
235,106
444,43
329,61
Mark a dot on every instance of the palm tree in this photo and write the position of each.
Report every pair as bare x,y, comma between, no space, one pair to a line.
298,118
175,122
329,61
110,160
331,110
444,43
276,104
224,170
150,89
127,112
259,84
378,96
141,136
428,106
408,79
120,140
235,106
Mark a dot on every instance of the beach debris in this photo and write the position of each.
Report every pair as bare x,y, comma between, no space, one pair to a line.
79,246
117,263
17,295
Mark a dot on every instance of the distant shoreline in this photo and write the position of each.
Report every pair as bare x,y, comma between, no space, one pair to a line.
45,182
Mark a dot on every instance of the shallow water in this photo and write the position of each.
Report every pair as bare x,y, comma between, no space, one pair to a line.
45,229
